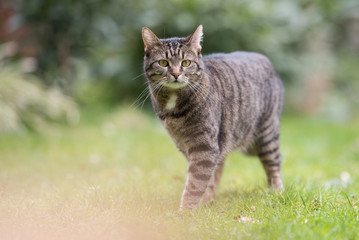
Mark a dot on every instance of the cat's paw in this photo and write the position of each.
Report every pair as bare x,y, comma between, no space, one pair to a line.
208,198
277,186
189,206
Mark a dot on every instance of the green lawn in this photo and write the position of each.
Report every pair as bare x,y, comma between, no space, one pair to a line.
117,175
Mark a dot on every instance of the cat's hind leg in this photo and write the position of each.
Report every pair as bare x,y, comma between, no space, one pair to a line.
270,155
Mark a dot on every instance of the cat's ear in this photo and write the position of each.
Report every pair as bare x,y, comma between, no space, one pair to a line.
195,38
149,39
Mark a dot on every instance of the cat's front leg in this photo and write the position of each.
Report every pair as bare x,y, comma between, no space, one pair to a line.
201,169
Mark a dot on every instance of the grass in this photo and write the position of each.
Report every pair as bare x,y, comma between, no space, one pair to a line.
118,175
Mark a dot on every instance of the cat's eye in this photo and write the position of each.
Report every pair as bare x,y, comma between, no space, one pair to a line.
186,63
163,63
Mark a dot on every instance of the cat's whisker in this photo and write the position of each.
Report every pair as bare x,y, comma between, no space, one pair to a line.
201,92
138,76
145,93
158,89
193,88
141,95
148,95
196,90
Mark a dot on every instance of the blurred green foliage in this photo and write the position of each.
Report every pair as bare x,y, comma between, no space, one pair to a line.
26,104
94,49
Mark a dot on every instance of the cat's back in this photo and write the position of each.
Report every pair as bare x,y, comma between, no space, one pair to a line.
249,64
235,57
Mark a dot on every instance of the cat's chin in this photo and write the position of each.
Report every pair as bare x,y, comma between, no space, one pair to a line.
175,85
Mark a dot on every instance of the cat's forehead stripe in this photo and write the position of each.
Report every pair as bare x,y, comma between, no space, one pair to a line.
174,49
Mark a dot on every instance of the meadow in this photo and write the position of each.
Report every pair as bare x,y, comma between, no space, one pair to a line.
118,175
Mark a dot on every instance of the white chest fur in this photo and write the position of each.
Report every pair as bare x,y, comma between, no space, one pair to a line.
171,103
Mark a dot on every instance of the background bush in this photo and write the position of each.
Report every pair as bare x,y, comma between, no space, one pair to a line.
26,104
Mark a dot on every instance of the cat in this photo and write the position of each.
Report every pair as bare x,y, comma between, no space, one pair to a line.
212,105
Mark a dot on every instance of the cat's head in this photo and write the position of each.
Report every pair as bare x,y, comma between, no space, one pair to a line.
173,63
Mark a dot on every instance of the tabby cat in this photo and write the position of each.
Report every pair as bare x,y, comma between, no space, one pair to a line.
212,105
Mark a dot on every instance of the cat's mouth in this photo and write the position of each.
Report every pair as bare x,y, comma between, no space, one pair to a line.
174,83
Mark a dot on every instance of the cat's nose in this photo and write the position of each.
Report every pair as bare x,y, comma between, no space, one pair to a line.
175,75
175,72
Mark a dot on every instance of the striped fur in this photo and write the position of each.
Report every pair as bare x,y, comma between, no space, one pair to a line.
219,103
